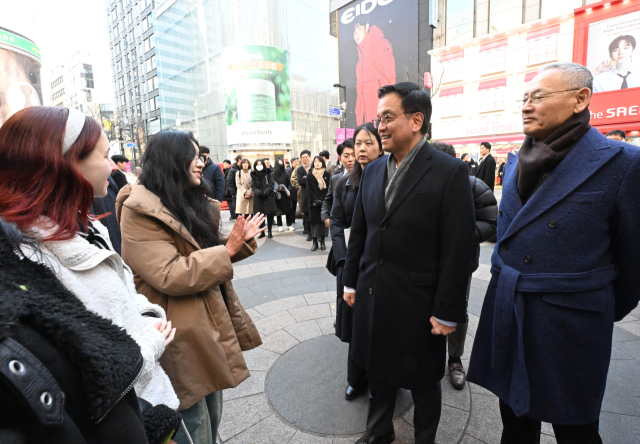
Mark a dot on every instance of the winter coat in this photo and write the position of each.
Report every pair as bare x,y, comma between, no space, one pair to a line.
299,181
486,216
230,179
86,363
284,204
244,205
316,196
100,279
376,67
407,264
193,285
344,201
486,171
328,200
120,179
214,176
564,268
262,188
107,205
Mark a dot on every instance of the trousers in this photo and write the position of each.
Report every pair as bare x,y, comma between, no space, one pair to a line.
356,375
523,430
202,420
455,340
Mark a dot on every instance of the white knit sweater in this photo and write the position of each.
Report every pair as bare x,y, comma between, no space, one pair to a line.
104,283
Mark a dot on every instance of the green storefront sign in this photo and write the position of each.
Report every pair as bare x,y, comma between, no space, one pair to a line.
13,42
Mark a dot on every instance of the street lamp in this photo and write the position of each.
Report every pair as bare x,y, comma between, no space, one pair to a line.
343,106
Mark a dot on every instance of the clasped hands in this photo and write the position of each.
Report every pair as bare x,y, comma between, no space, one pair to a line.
244,230
437,328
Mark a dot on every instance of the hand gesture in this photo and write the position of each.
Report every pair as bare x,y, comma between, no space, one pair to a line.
349,298
253,226
236,237
440,329
603,67
164,327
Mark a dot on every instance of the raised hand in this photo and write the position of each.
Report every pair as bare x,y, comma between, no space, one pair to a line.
253,226
236,237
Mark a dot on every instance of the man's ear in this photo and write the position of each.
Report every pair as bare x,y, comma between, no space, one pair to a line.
582,100
417,119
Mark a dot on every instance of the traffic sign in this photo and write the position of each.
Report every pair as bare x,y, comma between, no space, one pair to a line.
131,145
334,111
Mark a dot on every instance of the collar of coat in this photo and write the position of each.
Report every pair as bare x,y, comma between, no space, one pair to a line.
137,198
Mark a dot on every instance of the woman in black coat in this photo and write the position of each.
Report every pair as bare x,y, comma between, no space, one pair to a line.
283,185
264,199
67,373
317,182
367,146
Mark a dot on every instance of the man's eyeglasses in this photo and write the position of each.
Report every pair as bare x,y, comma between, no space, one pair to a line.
386,118
536,98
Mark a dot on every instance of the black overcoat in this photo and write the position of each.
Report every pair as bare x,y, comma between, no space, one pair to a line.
486,172
316,196
284,204
301,177
408,264
264,200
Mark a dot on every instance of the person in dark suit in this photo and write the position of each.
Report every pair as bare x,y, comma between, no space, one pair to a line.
347,158
486,170
118,174
407,264
565,266
212,174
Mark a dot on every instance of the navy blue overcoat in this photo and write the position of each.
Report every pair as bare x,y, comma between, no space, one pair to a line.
564,269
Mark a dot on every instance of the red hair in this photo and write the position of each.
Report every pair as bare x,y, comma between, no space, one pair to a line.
37,179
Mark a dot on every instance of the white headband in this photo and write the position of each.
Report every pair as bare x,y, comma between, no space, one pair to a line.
75,123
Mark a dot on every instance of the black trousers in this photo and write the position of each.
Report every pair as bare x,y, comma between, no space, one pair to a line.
428,406
523,430
356,375
289,216
232,206
294,206
305,223
269,223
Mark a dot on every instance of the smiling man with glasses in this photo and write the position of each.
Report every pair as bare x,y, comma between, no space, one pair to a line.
564,268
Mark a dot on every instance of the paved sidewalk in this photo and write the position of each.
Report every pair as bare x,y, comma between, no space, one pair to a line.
295,394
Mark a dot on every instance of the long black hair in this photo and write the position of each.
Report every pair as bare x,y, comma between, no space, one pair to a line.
278,169
165,173
356,172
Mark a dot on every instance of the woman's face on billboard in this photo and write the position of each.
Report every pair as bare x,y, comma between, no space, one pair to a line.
623,52
360,32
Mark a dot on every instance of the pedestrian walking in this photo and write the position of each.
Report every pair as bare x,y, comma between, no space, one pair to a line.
407,264
283,188
486,211
317,181
263,191
486,170
244,196
345,150
299,181
369,149
564,268
170,239
212,174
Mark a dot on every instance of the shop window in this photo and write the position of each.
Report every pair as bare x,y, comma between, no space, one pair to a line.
493,57
492,95
459,21
542,45
452,66
451,101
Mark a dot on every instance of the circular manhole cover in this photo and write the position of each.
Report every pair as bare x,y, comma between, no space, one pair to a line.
306,386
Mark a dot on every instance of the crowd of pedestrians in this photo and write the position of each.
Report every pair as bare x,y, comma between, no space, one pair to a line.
118,317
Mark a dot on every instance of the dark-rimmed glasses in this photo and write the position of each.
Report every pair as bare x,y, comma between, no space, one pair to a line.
537,97
386,118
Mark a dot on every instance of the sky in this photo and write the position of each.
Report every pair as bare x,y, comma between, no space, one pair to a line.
60,28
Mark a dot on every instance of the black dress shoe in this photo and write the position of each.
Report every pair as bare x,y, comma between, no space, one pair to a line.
314,247
323,247
309,238
372,439
270,236
350,393
261,235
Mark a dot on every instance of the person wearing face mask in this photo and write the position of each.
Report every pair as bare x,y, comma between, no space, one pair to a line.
317,181
283,184
262,188
368,148
244,197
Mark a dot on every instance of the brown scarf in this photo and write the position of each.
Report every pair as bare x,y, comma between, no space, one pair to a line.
536,159
318,175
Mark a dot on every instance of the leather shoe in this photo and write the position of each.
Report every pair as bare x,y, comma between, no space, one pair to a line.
371,439
261,235
314,247
457,376
309,238
350,393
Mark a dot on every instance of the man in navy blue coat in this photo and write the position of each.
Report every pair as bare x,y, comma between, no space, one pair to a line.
407,264
564,268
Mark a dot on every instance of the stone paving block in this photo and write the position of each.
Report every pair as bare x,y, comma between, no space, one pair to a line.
269,431
631,327
295,260
241,268
245,282
460,399
476,389
288,267
326,325
627,318
311,312
622,335
473,325
265,286
273,307
319,297
277,275
254,315
251,300
470,440
547,429
304,330
305,438
250,386
452,425
333,309
408,416
468,346
279,342
619,429
547,439
622,393
259,359
267,264
485,424
479,284
476,299
345,440
404,432
332,285
631,348
617,354
297,289
324,277
273,323
295,280
240,414
320,269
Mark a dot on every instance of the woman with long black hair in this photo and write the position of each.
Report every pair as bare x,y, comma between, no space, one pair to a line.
317,183
368,147
171,241
262,188
283,185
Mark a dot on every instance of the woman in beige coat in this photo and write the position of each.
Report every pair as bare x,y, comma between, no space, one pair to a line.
170,240
244,198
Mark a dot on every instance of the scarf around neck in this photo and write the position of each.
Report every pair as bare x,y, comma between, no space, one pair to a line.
396,173
318,175
537,159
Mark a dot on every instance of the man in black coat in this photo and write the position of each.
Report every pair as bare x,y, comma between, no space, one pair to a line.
232,188
407,264
348,159
486,171
213,174
118,173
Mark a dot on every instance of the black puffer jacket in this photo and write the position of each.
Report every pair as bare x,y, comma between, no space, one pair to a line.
262,188
66,374
486,216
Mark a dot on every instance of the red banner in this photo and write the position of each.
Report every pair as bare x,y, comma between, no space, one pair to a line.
613,107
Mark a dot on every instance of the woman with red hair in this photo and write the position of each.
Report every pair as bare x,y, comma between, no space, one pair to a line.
53,162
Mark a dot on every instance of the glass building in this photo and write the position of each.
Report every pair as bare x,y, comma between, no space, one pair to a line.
193,40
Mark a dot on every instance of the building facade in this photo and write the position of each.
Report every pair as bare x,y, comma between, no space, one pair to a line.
72,83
